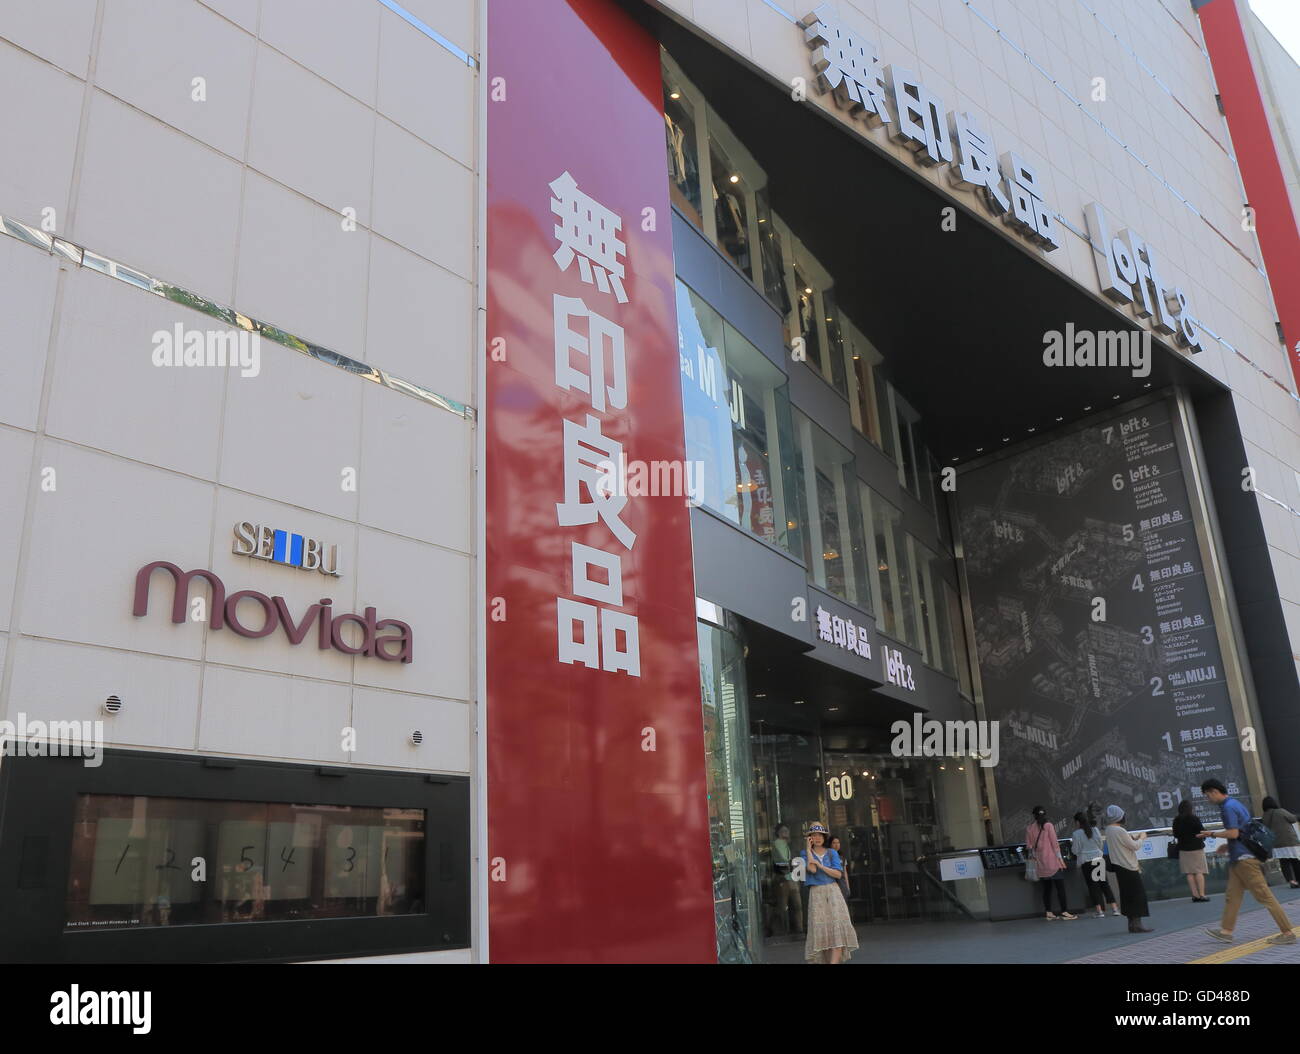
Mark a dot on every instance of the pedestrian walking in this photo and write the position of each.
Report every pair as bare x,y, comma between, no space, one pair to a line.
831,938
1045,851
1085,847
1191,850
1287,846
1245,870
1122,848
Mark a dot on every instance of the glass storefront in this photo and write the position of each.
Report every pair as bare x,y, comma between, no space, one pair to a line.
731,824
787,789
890,814
883,810
791,741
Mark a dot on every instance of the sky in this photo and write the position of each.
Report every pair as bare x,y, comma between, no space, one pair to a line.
1282,17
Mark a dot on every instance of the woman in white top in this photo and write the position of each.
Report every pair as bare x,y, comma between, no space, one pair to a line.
1085,847
1123,848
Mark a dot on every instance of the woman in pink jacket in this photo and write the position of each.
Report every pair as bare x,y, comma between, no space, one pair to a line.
1045,849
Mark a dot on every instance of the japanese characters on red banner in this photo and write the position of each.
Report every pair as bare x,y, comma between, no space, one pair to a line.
590,629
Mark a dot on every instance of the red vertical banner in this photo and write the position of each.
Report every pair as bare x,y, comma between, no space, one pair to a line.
1257,157
598,835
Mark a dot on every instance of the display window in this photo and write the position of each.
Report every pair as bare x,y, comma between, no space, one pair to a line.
834,547
887,554
157,857
149,861
864,403
737,424
683,131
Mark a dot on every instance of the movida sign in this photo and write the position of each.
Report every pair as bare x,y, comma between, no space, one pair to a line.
225,610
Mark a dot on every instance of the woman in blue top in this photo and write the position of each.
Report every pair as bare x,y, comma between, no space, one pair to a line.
830,930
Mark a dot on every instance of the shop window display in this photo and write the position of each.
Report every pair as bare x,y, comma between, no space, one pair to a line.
833,541
773,252
737,424
834,341
683,152
731,212
132,860
863,358
716,183
888,555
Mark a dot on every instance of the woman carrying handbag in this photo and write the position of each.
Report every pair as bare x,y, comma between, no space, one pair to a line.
1045,860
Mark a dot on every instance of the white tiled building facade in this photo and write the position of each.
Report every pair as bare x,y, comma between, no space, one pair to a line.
311,166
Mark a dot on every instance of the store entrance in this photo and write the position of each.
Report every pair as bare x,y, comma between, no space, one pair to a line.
883,810
820,752
788,796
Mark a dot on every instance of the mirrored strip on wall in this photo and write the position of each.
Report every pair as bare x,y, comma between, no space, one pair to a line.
82,257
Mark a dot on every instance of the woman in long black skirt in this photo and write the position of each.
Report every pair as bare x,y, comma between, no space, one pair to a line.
1122,848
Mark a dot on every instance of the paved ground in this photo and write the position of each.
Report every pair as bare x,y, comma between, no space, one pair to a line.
1179,937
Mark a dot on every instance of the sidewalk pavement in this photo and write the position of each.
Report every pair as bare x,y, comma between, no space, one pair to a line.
1179,937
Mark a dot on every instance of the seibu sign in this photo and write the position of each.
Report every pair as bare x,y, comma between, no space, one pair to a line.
274,614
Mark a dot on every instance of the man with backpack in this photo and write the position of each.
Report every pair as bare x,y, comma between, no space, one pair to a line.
1248,845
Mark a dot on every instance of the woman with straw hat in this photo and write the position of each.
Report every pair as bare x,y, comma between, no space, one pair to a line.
830,930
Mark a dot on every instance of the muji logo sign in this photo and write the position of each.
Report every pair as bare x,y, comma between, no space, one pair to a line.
284,547
350,634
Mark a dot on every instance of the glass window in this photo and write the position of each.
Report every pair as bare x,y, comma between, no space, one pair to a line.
713,180
833,542
834,342
772,250
814,317
681,117
737,424
700,343
732,201
888,553
863,359
961,655
132,862
936,625
728,774
804,324
885,407
909,595
908,455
